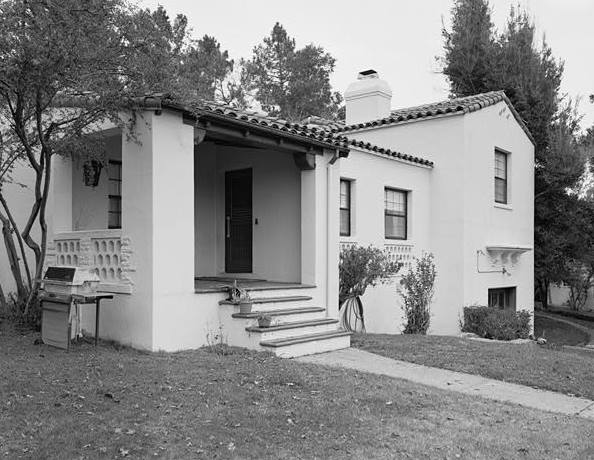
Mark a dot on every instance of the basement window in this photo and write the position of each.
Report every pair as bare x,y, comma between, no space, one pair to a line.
503,298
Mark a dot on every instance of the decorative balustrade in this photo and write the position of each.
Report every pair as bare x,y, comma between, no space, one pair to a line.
103,251
397,252
403,253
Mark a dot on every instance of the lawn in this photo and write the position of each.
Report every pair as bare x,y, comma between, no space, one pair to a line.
113,403
559,332
549,367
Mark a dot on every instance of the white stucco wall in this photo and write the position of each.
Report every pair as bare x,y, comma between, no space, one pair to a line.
488,223
276,201
462,215
369,175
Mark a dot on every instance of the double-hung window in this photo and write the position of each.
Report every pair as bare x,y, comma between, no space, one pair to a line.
500,177
395,214
345,207
114,213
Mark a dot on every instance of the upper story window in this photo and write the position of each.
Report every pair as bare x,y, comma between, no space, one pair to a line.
345,207
114,213
501,173
395,214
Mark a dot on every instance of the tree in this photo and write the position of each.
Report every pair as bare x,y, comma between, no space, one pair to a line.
67,67
478,59
291,83
469,48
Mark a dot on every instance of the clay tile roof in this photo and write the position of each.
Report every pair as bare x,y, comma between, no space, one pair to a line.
321,130
459,106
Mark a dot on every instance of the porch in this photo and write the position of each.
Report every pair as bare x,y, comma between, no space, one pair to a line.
194,207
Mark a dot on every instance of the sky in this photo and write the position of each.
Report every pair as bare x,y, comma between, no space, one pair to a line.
400,39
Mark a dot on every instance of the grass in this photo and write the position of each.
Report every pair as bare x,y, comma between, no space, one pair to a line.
559,332
549,367
107,402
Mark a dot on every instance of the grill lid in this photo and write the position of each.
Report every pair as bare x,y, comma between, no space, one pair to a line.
70,275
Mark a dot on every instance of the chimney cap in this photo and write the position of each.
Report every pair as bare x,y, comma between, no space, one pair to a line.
370,73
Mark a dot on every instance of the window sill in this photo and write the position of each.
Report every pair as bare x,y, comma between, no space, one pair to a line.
503,206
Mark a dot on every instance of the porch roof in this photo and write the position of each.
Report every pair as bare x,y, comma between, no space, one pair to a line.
212,116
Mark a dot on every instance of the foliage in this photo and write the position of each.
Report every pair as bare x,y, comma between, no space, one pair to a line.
418,286
479,59
291,83
69,66
237,294
14,311
361,267
494,323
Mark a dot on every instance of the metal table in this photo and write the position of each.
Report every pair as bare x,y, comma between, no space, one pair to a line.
89,300
78,299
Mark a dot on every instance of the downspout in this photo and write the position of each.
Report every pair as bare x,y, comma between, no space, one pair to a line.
329,166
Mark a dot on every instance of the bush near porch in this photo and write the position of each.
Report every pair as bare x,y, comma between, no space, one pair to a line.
115,403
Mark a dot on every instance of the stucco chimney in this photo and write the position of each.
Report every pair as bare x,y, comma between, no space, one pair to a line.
368,98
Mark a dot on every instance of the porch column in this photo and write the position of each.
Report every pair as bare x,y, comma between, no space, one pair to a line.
319,230
157,231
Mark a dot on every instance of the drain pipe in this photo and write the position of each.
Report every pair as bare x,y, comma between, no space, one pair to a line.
329,167
503,270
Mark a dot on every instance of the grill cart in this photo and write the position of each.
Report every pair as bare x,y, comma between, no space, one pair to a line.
65,289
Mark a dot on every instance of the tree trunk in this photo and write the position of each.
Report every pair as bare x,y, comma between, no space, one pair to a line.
19,238
13,257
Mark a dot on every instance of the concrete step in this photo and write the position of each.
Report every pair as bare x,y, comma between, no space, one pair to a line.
278,299
294,329
286,315
276,303
309,344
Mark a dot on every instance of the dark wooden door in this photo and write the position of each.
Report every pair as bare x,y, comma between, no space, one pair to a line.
238,221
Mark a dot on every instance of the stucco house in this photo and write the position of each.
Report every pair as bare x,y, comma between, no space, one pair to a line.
202,197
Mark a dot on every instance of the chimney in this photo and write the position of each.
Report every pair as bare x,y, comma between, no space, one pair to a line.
369,98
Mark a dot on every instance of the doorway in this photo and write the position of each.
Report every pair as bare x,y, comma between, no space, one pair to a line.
238,221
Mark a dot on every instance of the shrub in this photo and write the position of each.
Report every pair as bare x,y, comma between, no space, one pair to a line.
14,309
417,294
359,268
493,323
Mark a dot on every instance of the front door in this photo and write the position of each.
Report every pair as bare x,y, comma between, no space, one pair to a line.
238,221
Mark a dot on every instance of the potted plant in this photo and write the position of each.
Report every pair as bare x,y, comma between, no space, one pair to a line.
92,172
240,296
264,320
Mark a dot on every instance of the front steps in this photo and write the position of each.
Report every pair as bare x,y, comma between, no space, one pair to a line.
299,327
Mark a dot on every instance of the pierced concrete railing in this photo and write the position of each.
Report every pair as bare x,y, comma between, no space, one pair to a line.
105,252
400,252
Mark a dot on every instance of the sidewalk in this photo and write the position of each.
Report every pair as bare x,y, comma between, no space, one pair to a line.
353,358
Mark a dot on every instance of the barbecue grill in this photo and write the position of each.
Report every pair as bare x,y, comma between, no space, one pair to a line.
64,289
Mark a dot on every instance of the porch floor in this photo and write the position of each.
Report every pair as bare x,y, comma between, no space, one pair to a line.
219,284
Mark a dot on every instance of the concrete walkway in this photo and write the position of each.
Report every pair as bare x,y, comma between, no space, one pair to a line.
353,358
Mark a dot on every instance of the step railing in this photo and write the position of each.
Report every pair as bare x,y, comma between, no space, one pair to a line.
104,252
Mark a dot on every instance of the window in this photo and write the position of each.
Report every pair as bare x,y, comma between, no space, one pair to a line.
345,207
395,214
500,177
114,213
503,298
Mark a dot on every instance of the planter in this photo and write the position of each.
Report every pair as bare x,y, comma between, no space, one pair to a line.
92,172
245,307
264,322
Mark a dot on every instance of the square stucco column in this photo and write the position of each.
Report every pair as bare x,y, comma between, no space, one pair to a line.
157,230
319,230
